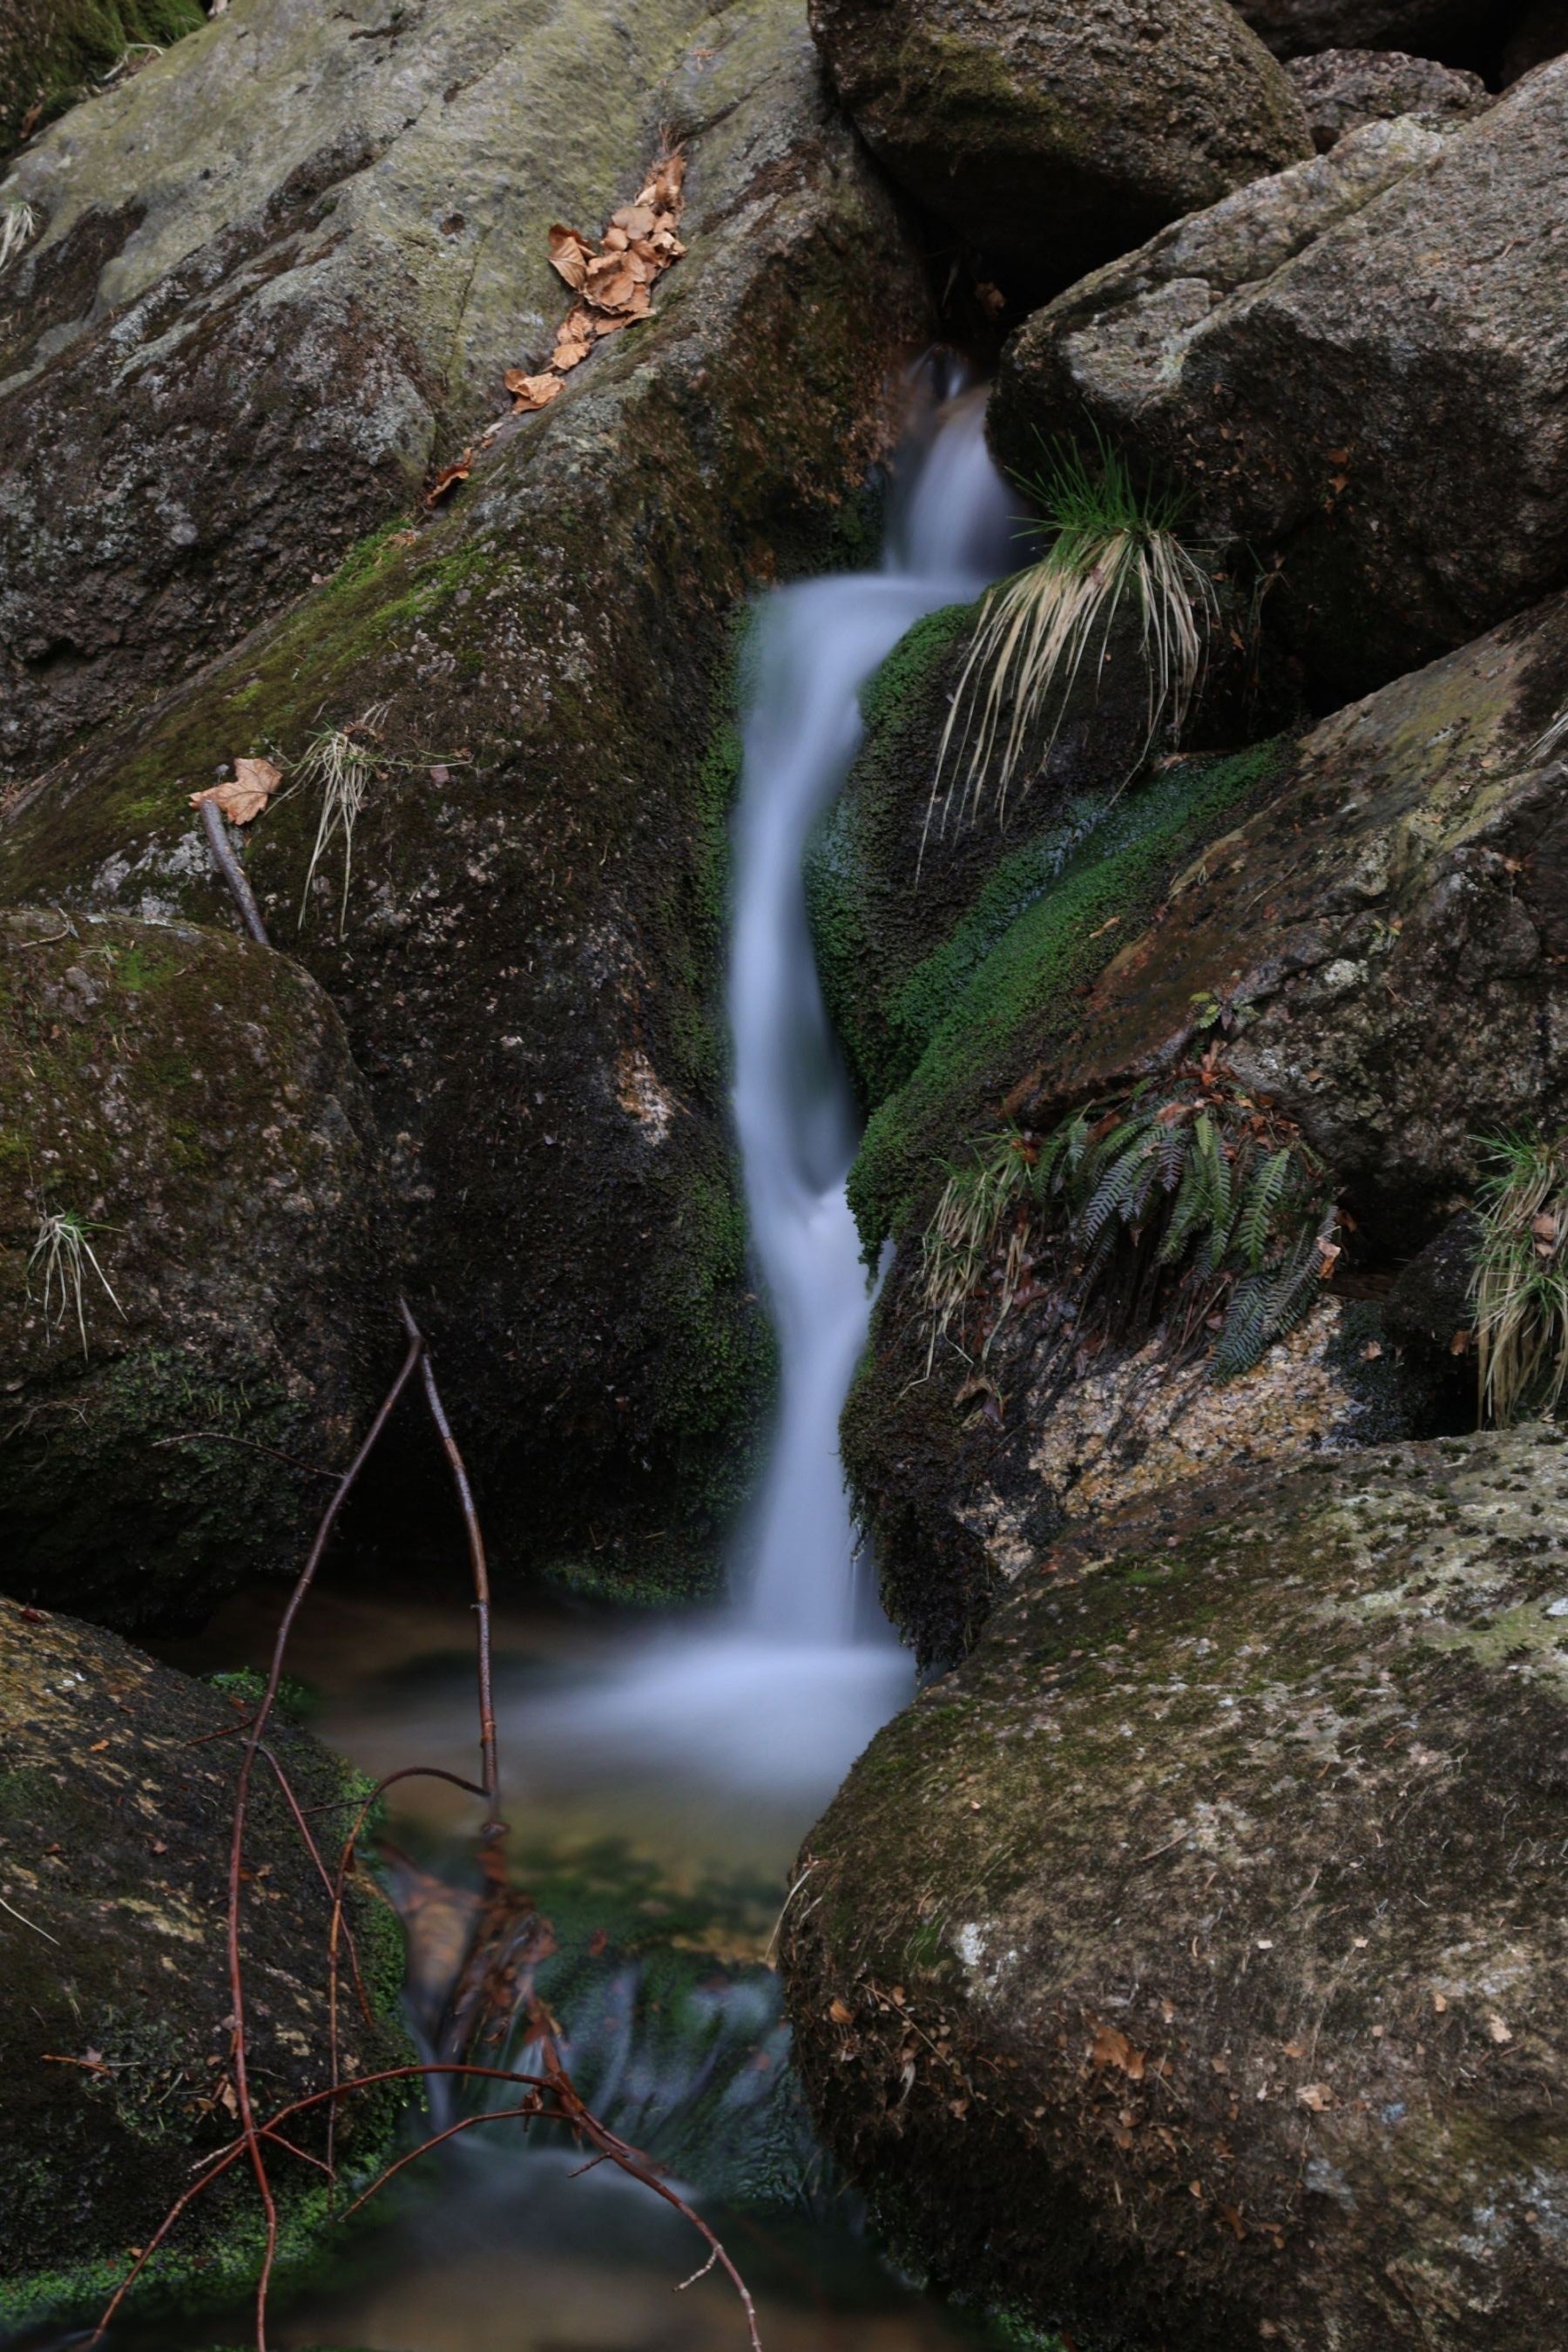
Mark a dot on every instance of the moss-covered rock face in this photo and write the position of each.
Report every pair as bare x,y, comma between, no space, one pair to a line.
53,52
1375,947
531,949
1354,364
918,869
1052,139
216,1314
1188,1966
116,1787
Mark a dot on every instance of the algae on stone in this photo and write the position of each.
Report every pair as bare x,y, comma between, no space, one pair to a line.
1191,1958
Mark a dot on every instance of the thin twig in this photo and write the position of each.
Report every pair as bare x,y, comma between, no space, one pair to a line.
494,1828
232,872
242,1793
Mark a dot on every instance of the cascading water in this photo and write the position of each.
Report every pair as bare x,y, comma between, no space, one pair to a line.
797,1118
780,1694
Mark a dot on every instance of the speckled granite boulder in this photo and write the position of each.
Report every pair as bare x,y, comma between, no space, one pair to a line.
1052,138
1188,1968
116,2046
251,321
1356,365
1340,89
187,1102
1373,943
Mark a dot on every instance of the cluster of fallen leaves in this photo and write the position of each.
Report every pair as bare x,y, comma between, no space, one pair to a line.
613,281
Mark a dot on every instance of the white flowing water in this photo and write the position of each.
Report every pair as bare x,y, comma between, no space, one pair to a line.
794,1110
778,1694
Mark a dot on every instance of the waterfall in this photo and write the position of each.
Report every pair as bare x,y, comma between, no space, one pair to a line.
816,647
776,1695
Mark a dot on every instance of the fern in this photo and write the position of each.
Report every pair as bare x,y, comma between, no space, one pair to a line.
1234,1199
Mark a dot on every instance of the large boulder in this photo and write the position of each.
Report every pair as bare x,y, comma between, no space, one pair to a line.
1432,28
1371,941
1188,1968
1357,365
1051,139
1340,89
197,1277
116,2042
531,957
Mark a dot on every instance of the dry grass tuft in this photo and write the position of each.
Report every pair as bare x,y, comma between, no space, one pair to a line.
61,1254
1111,546
343,762
19,227
1520,1286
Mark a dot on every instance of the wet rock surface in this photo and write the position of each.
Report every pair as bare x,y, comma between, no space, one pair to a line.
220,1315
529,969
1373,949
1052,139
1355,364
1184,1968
1340,89
116,1785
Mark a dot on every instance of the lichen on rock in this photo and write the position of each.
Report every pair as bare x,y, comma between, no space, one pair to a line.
116,2046
1185,1967
169,1400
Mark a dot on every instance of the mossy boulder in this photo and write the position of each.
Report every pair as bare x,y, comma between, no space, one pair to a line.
53,52
1354,365
1050,140
1372,945
219,1316
117,1780
1187,1968
531,960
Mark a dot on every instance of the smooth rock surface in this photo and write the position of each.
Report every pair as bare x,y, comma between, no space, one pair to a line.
1357,364
1340,89
1188,1968
191,1100
1052,139
116,1785
528,964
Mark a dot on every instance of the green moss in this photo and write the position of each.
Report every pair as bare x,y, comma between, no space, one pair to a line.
75,44
987,1010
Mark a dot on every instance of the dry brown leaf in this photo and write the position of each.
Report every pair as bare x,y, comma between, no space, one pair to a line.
1316,2096
615,240
531,392
246,794
448,479
1111,2048
633,221
840,2011
570,255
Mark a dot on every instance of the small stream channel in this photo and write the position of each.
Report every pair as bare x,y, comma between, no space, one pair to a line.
662,1780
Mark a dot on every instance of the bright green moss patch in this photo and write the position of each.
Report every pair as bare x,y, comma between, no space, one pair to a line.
989,1010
